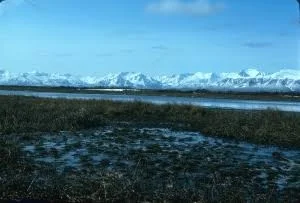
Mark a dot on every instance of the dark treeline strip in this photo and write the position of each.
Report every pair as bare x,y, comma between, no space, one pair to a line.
28,114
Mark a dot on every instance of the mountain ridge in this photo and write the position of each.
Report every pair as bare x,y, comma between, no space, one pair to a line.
245,80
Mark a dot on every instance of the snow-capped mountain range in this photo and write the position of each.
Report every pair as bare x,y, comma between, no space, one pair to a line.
246,80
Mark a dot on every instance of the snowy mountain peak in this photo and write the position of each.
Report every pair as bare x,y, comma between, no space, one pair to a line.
287,74
252,73
245,80
129,79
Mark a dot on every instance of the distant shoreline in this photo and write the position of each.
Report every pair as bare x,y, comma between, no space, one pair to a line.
200,93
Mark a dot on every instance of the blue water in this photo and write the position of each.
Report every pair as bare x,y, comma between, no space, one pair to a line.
204,102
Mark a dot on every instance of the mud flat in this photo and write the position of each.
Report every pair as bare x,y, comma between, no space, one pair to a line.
115,163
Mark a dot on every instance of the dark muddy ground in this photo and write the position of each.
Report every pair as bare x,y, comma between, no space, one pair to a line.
124,162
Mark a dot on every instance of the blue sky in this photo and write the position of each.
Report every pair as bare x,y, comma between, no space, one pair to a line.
96,37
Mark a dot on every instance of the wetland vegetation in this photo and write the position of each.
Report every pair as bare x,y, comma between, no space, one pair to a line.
122,162
29,114
105,151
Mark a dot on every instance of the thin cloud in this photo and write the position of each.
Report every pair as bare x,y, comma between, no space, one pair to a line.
8,4
104,54
160,47
194,7
54,54
258,45
63,55
127,51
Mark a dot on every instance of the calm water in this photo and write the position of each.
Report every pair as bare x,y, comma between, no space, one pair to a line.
205,102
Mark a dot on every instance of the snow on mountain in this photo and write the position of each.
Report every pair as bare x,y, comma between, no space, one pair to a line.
128,79
251,73
38,79
245,80
287,74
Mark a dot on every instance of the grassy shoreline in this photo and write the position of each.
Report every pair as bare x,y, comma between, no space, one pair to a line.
268,96
28,114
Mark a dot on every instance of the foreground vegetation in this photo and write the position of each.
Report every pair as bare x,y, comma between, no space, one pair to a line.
105,151
28,114
123,163
281,96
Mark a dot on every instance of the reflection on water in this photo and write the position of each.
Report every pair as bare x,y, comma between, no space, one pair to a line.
205,102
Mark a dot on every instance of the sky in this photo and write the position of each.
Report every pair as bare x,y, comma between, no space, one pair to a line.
155,37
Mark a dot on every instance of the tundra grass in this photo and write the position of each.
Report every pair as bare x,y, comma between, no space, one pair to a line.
29,114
